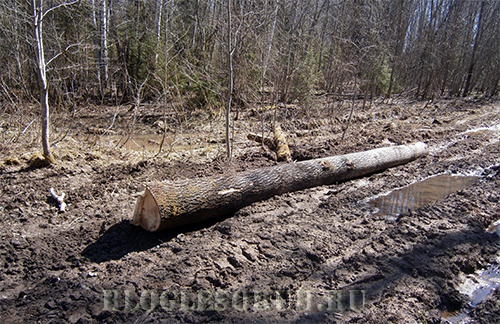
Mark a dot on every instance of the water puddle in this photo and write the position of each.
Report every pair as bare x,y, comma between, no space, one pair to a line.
147,142
477,286
480,284
457,317
419,194
488,133
481,131
143,142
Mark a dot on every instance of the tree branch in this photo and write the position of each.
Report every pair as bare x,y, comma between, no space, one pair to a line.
59,54
58,6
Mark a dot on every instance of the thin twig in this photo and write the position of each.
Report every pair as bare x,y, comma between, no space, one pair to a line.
62,138
164,134
65,4
23,131
112,122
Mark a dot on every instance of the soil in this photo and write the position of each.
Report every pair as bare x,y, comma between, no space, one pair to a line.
317,255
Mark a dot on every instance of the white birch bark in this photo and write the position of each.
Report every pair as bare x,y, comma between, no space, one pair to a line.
38,15
230,90
104,43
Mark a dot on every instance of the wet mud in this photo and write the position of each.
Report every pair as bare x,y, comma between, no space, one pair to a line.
317,255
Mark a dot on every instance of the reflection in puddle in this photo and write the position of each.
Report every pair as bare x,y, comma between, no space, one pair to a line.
419,194
148,142
480,284
456,317
494,228
143,142
477,286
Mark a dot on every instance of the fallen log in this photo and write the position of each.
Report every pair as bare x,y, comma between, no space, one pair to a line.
277,144
259,139
282,150
169,204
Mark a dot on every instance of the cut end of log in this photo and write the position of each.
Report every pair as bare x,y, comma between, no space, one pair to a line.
147,213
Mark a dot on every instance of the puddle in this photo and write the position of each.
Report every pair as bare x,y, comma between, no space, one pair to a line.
419,194
494,228
489,133
477,286
480,284
481,131
140,142
456,317
144,142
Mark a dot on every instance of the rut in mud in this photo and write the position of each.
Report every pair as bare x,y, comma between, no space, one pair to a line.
317,255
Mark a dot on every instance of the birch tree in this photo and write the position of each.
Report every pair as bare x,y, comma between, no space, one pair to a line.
230,71
39,15
100,18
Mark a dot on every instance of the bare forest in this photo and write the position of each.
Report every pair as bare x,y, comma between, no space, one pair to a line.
265,133
101,52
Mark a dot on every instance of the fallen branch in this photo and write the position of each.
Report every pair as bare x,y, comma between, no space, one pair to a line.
278,144
282,149
59,199
259,139
168,204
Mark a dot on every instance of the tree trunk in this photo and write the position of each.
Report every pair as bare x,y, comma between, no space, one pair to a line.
42,73
230,87
104,46
97,45
168,204
475,46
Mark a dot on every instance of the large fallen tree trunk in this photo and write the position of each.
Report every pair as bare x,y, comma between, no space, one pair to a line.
168,204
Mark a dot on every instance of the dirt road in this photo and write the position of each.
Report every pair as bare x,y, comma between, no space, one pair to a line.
317,255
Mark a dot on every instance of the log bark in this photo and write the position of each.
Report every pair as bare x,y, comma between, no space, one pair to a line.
169,204
282,149
277,144
259,139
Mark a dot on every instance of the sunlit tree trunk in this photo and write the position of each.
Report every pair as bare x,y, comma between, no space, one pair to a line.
165,205
159,9
477,40
104,44
230,88
97,43
38,14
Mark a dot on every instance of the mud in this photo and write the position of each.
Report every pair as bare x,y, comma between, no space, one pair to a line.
318,255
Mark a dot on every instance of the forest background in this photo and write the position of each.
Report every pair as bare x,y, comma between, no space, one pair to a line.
187,53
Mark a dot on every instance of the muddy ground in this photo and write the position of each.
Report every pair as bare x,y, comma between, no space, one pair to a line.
318,255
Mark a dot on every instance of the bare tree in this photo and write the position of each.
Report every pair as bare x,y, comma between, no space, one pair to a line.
476,44
230,52
103,46
38,17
